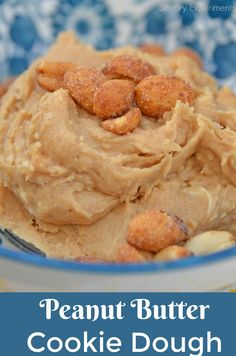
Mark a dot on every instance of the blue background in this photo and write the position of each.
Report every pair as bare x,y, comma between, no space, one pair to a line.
20,315
28,27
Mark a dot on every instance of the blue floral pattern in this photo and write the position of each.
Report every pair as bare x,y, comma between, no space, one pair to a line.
90,19
27,28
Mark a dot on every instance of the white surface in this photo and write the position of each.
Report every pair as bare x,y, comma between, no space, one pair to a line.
16,276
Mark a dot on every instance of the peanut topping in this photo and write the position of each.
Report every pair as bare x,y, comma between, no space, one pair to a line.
155,230
172,253
189,53
157,94
49,75
129,254
210,242
113,98
82,83
128,67
152,49
124,124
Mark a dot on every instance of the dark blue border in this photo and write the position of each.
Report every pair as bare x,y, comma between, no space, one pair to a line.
190,262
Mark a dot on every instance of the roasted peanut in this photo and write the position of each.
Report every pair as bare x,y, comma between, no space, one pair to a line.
81,83
124,124
5,86
172,253
209,242
154,230
152,49
185,51
130,67
113,98
129,254
49,75
157,94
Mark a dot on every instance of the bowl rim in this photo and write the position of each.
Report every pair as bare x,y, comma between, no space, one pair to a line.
109,268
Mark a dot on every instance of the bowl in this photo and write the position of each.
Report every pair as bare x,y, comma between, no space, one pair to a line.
27,28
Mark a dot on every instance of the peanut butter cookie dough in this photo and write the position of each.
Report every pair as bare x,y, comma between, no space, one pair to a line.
98,148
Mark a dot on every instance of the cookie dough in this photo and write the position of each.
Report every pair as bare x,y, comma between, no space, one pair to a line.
71,188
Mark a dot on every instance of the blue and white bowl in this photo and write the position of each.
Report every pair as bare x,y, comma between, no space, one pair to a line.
27,28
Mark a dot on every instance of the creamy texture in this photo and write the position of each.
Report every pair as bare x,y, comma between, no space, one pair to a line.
71,188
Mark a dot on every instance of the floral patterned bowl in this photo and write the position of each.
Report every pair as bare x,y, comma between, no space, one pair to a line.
27,28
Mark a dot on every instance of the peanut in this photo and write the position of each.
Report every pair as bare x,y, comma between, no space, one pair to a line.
154,230
157,94
49,75
152,49
130,67
209,242
124,124
172,253
185,51
113,98
129,254
82,84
